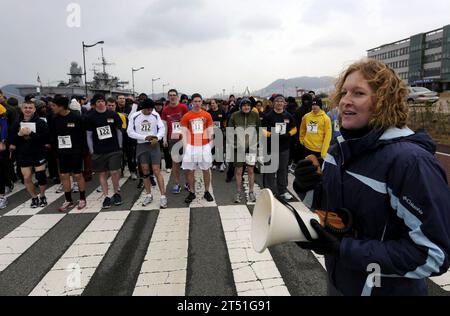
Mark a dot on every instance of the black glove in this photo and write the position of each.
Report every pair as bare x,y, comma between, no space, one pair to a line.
327,244
306,177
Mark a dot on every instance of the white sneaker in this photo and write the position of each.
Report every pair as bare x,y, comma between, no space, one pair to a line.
214,167
148,200
75,188
222,168
238,199
134,176
3,203
251,197
59,189
287,196
169,170
163,202
99,189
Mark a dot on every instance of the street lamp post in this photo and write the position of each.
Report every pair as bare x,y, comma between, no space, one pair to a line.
84,63
153,87
164,86
132,75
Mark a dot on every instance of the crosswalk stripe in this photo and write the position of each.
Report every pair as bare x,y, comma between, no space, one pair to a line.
22,238
156,197
25,209
17,188
95,199
163,272
200,192
255,274
72,273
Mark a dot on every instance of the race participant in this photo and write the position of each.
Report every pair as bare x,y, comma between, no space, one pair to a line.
245,143
3,171
198,133
219,118
104,137
68,140
148,129
279,126
129,146
171,117
30,140
315,131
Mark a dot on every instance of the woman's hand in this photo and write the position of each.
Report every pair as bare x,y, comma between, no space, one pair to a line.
12,147
306,177
24,132
2,147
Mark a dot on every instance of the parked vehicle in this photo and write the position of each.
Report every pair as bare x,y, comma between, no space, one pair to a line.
422,95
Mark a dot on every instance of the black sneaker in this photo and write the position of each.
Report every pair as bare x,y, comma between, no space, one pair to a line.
35,203
140,184
152,181
191,197
208,197
43,201
117,199
106,203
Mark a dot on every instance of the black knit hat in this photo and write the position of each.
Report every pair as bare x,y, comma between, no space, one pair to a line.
317,102
97,97
148,104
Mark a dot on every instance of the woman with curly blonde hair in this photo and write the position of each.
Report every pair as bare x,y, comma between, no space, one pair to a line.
388,179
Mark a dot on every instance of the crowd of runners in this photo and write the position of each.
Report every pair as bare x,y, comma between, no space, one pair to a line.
67,140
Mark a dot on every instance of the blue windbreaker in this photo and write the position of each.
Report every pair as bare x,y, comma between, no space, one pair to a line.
400,199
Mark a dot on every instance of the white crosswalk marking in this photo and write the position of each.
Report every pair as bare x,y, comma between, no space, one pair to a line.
254,274
95,199
164,270
155,205
22,238
26,210
17,188
257,190
72,273
200,192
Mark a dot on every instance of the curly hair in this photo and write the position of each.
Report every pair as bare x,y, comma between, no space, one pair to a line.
390,93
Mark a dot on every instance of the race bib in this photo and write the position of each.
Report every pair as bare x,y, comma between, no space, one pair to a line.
280,128
30,126
146,128
197,127
217,125
336,126
104,132
176,128
64,142
313,128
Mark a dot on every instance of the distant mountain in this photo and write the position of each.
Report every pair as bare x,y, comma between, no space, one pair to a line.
288,86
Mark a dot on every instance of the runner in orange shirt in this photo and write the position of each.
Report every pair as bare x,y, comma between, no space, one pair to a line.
197,130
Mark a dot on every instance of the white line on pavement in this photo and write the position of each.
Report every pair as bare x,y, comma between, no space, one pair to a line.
26,235
164,270
73,272
254,274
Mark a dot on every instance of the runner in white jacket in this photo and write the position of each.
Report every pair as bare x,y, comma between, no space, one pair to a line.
148,129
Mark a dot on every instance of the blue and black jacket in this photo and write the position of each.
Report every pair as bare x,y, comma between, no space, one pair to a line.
400,200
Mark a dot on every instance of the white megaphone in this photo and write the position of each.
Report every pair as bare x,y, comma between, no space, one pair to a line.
275,223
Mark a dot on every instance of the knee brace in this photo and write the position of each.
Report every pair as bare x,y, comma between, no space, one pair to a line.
146,176
41,177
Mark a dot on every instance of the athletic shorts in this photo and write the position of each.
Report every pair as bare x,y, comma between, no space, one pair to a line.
107,162
240,160
32,160
148,155
197,157
70,163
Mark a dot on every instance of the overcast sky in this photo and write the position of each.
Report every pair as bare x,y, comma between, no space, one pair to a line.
205,45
